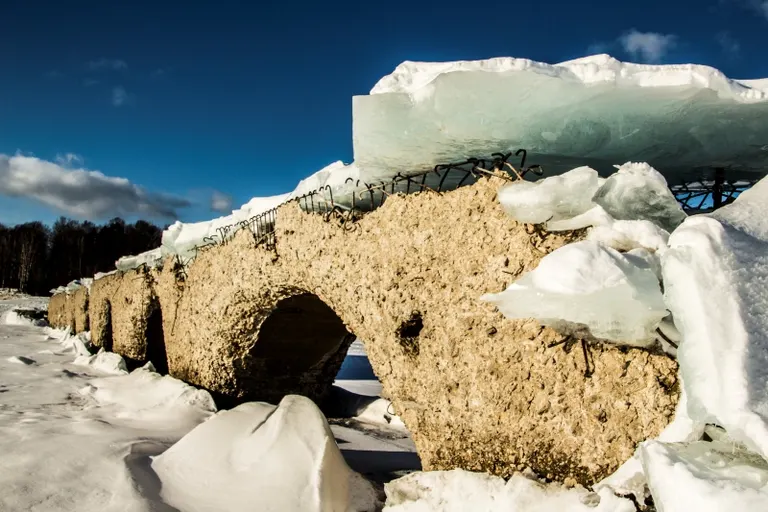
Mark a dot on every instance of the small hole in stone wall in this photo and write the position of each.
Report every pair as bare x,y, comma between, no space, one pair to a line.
408,333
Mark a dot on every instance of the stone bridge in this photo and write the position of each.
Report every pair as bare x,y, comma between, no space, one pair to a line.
251,321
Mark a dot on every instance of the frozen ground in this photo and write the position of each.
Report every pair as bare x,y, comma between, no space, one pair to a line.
73,437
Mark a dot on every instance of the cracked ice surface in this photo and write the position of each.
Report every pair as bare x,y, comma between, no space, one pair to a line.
593,111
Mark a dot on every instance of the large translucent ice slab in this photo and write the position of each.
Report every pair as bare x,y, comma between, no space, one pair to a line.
639,192
716,285
586,284
593,111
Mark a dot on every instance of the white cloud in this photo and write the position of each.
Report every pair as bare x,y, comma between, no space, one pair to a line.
119,96
114,64
221,202
80,192
763,8
728,43
649,47
68,159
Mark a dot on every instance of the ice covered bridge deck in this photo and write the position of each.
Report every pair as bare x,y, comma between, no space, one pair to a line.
270,307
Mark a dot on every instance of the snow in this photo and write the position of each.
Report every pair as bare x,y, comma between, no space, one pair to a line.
107,362
459,491
182,238
550,199
264,457
593,111
705,476
639,192
150,258
625,235
715,276
587,284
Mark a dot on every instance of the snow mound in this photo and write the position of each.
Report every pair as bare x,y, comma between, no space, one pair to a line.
705,476
550,199
588,285
107,362
13,317
459,491
595,110
639,192
715,276
262,457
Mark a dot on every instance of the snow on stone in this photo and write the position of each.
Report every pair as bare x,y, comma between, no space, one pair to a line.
639,192
460,491
705,476
182,238
715,278
263,457
595,111
586,284
550,199
150,258
335,176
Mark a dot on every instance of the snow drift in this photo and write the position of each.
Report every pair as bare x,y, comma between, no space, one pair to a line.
263,457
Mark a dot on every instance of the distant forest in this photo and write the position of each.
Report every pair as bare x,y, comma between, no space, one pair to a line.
35,258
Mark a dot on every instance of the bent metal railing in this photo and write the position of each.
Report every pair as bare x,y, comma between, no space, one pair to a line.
366,197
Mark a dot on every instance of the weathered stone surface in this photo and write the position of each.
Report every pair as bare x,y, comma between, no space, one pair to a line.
78,305
476,390
58,311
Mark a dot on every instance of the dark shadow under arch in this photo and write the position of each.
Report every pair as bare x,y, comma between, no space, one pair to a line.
156,353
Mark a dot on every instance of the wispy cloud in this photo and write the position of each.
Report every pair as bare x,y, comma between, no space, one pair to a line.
120,96
69,159
90,82
80,192
53,74
221,202
114,64
728,44
649,47
761,8
159,73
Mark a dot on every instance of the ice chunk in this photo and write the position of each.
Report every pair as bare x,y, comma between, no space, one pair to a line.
150,258
107,362
595,216
586,284
639,192
596,111
625,235
338,176
715,274
706,477
261,457
550,199
459,491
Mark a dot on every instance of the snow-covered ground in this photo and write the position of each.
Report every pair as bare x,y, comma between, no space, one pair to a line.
79,433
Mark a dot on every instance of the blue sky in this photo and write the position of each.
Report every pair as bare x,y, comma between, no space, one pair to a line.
246,99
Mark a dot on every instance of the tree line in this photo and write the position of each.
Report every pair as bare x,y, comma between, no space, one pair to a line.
35,258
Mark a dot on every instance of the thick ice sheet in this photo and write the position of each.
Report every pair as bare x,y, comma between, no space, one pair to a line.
262,457
150,258
460,491
705,477
587,284
715,277
593,111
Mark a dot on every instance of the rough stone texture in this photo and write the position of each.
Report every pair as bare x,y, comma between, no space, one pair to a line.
477,391
78,305
120,309
58,311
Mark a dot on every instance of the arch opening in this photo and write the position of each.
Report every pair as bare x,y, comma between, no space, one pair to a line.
156,353
299,334
106,337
